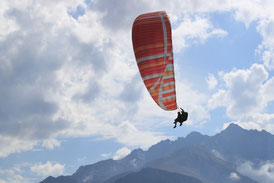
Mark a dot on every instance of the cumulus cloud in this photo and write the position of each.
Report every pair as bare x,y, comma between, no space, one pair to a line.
194,102
261,173
14,145
120,14
197,29
48,169
246,95
234,176
51,64
8,25
50,143
243,94
122,152
245,90
260,121
218,99
15,174
30,59
61,69
260,12
211,81
64,64
248,11
266,48
10,176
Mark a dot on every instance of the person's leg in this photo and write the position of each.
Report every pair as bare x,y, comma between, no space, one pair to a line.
181,123
175,124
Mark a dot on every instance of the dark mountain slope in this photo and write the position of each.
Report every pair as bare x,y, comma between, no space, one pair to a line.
149,175
236,143
60,179
196,162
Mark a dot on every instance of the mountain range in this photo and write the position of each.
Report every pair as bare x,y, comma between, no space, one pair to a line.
195,158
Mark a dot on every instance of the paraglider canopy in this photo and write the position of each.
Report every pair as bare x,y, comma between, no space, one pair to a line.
152,44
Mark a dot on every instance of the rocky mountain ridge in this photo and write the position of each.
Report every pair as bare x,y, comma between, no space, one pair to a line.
209,159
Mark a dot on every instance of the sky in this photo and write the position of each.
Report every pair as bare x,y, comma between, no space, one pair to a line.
71,93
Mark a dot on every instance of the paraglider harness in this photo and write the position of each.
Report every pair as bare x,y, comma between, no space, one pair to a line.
182,116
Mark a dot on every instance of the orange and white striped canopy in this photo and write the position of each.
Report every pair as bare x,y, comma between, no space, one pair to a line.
152,44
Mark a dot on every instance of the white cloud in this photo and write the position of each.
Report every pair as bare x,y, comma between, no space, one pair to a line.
67,75
218,99
11,145
266,48
244,124
15,174
211,81
197,30
124,151
48,169
50,143
246,95
261,173
257,121
12,177
243,94
74,75
88,29
8,25
247,11
193,101
234,176
260,12
72,55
